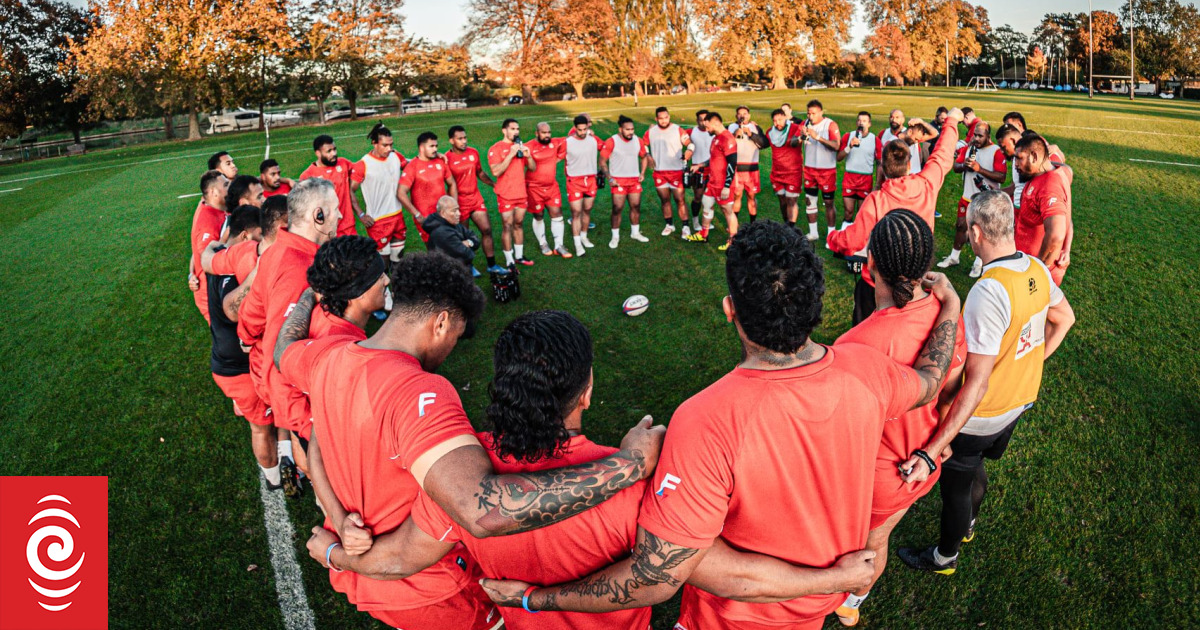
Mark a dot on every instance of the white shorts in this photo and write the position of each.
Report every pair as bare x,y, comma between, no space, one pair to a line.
783,192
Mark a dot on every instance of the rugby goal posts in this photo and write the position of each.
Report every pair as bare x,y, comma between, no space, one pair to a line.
982,84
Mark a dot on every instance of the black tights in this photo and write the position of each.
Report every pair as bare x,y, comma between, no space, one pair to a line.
962,494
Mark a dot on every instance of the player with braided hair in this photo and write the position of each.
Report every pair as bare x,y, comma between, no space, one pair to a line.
347,276
901,251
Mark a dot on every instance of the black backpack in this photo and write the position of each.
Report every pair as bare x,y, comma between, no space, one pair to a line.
506,287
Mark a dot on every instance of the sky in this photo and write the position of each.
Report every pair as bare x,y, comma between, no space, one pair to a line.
444,20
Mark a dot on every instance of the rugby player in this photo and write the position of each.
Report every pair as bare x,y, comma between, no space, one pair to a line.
207,223
820,167
787,163
861,150
1043,222
900,254
337,170
623,160
701,143
900,190
312,220
1016,317
670,149
750,139
542,192
272,182
544,359
582,157
377,174
983,167
348,281
424,180
229,363
897,131
722,180
467,169
244,190
509,159
223,162
390,428
755,457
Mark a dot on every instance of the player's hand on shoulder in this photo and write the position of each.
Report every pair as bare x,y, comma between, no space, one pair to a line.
317,544
355,535
506,593
939,286
856,570
955,114
645,441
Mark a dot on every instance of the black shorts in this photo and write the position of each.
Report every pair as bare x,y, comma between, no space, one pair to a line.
970,450
828,194
864,301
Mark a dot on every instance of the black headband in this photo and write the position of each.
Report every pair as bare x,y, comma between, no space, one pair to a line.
364,281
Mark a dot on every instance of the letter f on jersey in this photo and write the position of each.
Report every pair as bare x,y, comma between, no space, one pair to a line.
424,401
669,482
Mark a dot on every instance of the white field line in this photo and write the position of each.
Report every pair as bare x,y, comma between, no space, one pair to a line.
289,586
1167,163
11,190
188,195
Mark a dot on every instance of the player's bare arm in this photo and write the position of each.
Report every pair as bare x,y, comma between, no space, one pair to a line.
209,252
761,579
295,327
233,302
365,218
498,169
396,555
484,503
1055,239
651,575
405,197
933,363
977,370
352,533
1059,319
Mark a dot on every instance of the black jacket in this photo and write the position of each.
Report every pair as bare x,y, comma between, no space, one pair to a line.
448,239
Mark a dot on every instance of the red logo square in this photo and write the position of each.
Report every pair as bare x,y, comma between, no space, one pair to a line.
54,553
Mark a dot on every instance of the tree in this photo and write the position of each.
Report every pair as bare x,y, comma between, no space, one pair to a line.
932,28
1107,30
1164,44
774,36
888,55
1035,64
157,59
36,76
257,35
358,35
640,26
577,33
514,29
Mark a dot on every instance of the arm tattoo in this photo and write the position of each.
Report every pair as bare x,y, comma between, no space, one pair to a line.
516,503
235,303
296,326
934,359
653,560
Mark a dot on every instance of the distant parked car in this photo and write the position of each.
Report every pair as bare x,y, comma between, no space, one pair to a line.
423,104
812,85
341,113
241,119
570,96
514,100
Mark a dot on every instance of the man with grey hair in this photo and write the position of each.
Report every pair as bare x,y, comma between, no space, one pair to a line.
448,235
542,193
313,217
1015,318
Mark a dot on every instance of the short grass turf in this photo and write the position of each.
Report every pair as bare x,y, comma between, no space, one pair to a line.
1092,514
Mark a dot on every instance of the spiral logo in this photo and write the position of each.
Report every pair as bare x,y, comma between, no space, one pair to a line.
58,585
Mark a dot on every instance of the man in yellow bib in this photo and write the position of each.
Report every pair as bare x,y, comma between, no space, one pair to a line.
1015,318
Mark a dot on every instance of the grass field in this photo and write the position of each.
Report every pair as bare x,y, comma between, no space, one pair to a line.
1092,516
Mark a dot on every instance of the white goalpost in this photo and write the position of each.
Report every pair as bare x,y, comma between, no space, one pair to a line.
981,84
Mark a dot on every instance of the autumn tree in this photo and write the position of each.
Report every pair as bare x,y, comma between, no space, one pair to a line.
932,28
514,30
773,36
889,55
37,79
578,32
1104,38
1164,43
256,40
357,36
1035,64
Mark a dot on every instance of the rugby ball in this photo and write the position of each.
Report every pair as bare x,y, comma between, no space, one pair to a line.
635,305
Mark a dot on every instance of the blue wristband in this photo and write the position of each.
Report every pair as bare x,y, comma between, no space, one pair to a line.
525,601
328,551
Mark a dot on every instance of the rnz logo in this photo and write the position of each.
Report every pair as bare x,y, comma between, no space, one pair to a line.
53,586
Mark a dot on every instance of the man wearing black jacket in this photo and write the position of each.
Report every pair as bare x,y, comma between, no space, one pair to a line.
448,235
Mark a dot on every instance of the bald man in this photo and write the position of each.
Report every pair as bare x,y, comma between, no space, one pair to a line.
448,235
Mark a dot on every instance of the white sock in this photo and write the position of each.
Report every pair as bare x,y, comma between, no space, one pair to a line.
583,231
520,250
812,230
954,253
539,231
508,257
854,601
579,245
940,559
284,447
846,224
557,228
272,474
635,229
616,235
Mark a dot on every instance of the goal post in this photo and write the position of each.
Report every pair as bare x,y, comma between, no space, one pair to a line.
981,84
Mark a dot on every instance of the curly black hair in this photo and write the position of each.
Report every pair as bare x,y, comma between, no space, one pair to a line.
337,269
273,209
244,218
238,187
425,283
776,283
542,362
902,246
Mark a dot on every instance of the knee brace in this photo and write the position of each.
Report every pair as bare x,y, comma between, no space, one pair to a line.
395,250
810,196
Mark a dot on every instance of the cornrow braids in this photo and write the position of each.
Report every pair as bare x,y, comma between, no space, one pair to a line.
542,363
902,246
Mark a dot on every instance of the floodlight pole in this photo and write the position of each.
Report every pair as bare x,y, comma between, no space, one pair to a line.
1091,39
948,61
1132,73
